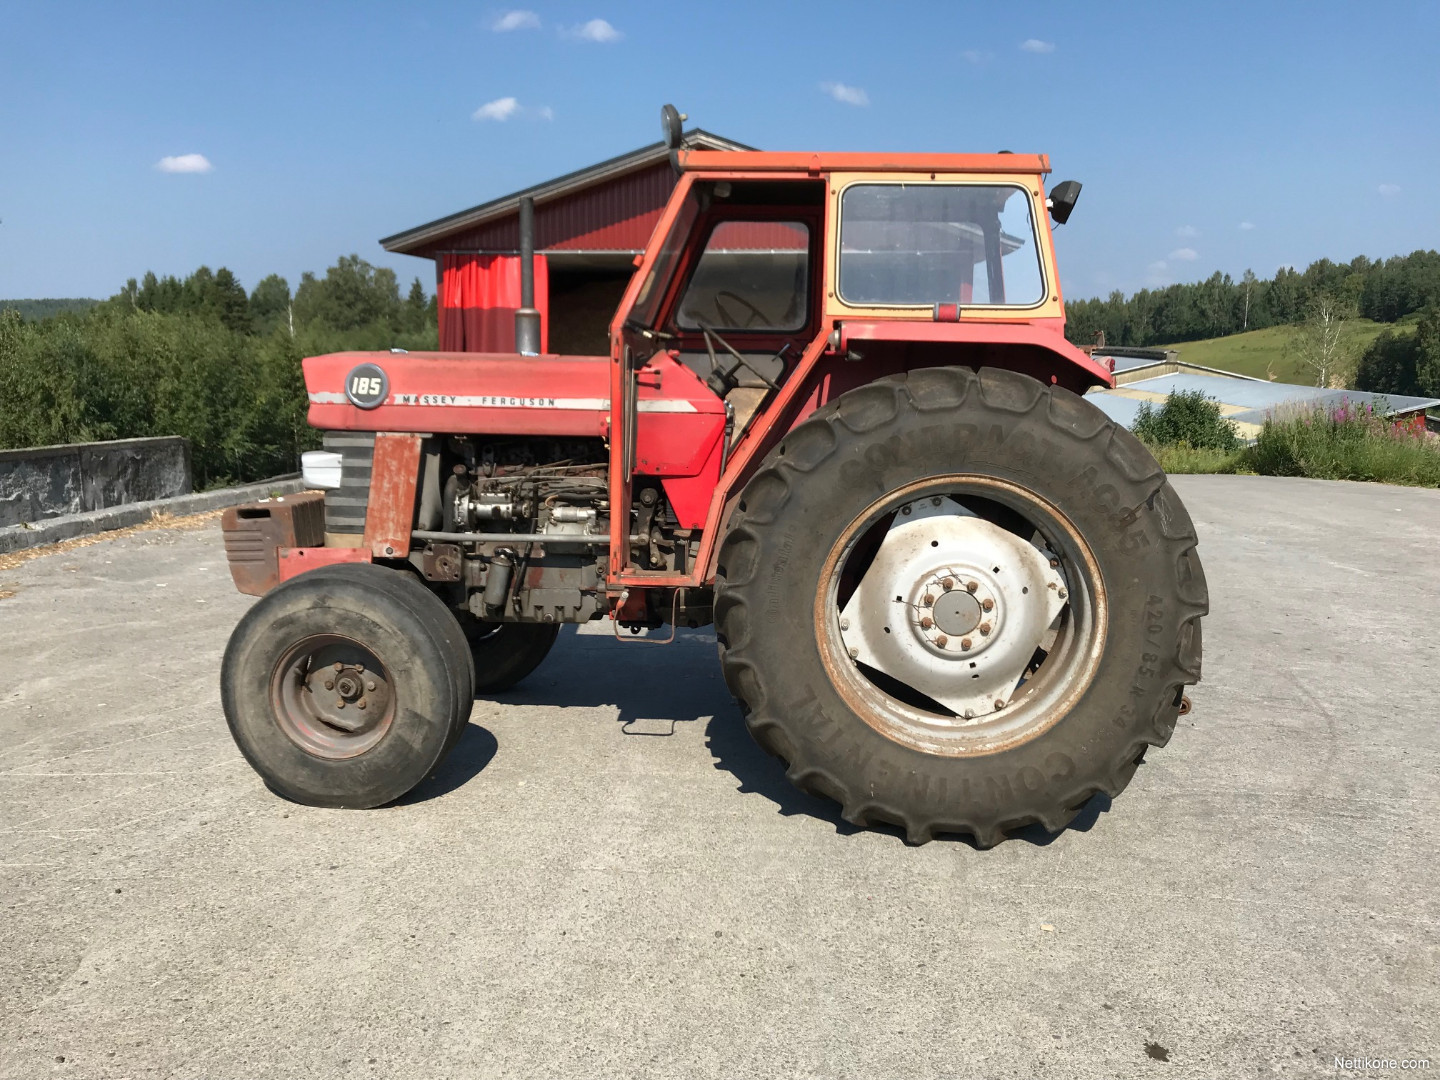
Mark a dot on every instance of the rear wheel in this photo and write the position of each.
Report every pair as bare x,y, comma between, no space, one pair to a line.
341,686
960,603
505,653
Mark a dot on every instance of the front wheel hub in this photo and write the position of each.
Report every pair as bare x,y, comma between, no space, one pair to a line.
332,697
953,606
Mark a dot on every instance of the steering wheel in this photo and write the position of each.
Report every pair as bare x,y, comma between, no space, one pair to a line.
727,374
757,317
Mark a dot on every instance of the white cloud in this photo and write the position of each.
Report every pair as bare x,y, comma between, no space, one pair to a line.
597,30
500,109
185,163
1389,190
975,56
1035,45
1246,226
1187,232
1158,273
846,95
1183,255
516,20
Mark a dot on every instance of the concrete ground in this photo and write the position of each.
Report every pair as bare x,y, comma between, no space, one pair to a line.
608,880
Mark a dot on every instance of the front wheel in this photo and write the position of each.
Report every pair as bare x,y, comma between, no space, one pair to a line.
960,603
345,687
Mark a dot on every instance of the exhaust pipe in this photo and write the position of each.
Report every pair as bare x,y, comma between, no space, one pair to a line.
527,319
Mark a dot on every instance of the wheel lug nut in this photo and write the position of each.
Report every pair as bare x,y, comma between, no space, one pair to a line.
926,623
369,684
928,600
340,704
948,584
987,604
942,641
1061,594
971,586
329,684
360,704
1054,562
844,624
999,704
965,643
985,628
339,666
935,501
854,653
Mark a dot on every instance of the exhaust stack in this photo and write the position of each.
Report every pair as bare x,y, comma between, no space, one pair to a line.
527,319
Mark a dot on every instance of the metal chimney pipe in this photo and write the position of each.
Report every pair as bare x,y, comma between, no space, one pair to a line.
527,319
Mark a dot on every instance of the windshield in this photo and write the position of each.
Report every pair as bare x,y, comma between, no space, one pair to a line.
752,275
652,292
922,244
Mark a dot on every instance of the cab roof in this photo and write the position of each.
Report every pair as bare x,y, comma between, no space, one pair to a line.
762,161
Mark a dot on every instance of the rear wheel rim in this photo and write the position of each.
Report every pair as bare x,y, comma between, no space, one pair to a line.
332,697
956,595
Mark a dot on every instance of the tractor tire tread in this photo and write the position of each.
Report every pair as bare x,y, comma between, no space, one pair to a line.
861,411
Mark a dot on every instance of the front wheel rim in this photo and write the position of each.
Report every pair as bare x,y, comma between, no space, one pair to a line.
961,615
332,697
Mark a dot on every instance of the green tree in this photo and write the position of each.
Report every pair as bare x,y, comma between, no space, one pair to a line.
1187,418
1387,366
353,294
415,306
270,305
1427,353
229,302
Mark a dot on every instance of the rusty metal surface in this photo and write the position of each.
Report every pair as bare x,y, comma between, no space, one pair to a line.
442,562
394,480
297,560
255,532
332,697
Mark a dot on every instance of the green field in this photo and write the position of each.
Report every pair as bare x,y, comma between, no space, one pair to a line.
1265,353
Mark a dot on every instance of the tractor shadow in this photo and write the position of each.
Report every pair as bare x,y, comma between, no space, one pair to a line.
465,761
655,688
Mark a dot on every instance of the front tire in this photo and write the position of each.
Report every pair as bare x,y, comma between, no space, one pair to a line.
960,603
341,686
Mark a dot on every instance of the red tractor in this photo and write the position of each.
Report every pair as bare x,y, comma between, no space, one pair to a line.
840,421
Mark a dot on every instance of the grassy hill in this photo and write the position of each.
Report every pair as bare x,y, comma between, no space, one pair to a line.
32,310
1266,353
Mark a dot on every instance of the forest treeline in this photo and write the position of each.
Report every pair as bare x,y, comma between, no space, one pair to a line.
200,357
1384,290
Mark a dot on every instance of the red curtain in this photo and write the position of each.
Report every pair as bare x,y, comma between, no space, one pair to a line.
479,295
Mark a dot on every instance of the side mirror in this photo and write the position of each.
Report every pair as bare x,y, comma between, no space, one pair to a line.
671,131
1063,197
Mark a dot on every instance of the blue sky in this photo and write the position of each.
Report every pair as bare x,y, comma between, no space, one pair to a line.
1209,136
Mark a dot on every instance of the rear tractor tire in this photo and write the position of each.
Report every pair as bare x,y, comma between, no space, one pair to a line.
346,686
960,603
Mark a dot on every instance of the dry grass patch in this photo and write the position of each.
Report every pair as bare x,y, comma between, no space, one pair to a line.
159,520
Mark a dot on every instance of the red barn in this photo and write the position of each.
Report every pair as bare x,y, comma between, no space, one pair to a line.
589,226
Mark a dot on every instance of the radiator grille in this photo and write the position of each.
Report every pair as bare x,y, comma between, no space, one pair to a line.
345,505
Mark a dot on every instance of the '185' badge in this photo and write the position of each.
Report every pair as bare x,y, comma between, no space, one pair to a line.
366,386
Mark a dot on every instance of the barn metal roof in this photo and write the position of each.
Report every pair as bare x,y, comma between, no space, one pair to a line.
412,241
1247,401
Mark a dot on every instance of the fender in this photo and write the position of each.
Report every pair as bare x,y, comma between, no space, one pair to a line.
1042,339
